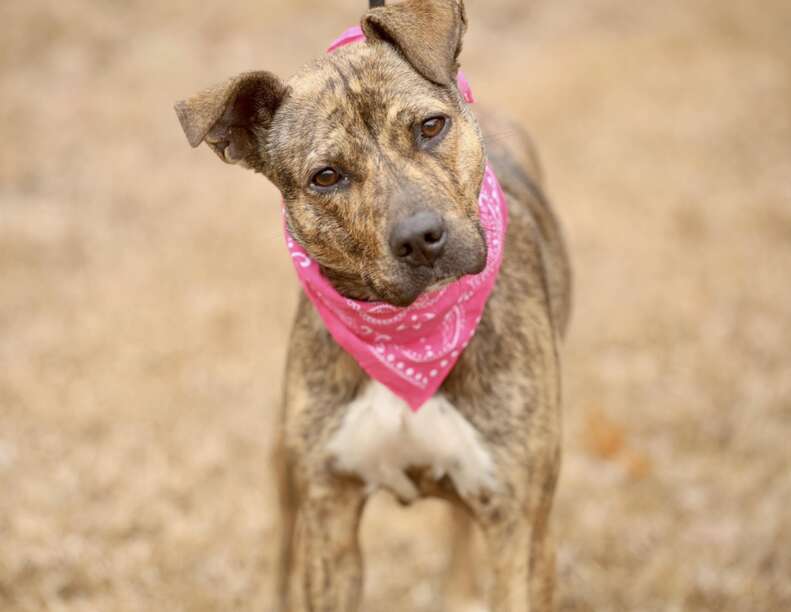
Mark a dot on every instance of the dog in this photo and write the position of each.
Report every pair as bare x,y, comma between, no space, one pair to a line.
380,163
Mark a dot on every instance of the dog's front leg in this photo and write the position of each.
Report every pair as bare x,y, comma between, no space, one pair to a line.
515,524
514,515
332,571
507,536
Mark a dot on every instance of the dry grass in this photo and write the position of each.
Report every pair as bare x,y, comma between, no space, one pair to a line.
146,295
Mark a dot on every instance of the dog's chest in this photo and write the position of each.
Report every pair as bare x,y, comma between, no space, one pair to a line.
380,437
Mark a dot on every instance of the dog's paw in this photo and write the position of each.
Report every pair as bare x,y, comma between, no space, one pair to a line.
473,474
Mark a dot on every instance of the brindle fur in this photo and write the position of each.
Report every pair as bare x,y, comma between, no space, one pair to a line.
357,109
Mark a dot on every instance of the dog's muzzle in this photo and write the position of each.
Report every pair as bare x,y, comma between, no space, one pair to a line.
419,240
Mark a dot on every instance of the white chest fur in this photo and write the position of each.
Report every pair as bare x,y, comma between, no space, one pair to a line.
380,437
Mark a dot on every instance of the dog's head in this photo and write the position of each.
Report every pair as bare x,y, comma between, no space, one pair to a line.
373,148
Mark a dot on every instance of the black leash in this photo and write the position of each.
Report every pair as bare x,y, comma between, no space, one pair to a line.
375,3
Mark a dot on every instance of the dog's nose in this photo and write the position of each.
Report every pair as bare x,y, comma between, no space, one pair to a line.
419,239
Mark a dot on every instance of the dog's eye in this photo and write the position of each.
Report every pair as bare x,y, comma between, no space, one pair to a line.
327,177
432,127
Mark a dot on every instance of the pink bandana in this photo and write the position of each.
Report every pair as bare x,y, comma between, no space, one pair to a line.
411,350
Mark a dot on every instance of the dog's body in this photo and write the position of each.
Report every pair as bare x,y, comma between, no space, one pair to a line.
489,440
497,437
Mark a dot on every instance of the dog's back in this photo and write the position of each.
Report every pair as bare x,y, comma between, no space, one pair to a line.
511,152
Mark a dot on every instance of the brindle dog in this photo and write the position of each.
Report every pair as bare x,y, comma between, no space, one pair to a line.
368,144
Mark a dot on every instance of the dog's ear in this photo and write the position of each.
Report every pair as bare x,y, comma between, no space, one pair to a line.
230,116
428,34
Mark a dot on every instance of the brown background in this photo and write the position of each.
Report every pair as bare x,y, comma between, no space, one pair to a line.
145,298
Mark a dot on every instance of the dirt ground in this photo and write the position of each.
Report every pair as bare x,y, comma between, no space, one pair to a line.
145,298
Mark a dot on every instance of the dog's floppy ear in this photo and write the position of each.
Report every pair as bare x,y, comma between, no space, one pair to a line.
229,116
428,34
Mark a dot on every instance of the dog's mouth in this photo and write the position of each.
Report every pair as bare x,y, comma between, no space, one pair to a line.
403,296
400,285
409,285
441,284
